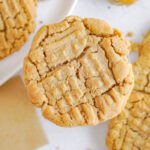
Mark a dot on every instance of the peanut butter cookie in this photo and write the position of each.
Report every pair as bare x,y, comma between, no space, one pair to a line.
123,2
16,23
131,129
77,72
142,67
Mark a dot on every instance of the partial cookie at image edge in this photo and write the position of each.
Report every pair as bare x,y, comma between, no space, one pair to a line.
16,24
131,128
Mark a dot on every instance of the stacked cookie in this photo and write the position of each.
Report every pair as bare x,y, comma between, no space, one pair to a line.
16,24
131,129
77,72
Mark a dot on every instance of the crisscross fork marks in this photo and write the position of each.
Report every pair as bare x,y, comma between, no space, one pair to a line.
75,72
16,23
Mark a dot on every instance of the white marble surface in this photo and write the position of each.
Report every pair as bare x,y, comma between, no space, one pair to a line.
135,18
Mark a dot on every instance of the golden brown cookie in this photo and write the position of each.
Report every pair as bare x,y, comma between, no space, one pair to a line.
16,23
134,46
123,2
77,72
131,129
141,67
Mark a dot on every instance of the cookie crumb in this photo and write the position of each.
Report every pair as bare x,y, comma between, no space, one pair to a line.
134,46
129,34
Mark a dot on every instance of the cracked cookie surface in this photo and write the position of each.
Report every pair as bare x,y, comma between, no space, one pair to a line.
16,23
131,129
77,72
141,67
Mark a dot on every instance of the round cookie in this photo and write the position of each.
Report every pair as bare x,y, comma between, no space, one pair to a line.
77,72
141,67
131,129
16,23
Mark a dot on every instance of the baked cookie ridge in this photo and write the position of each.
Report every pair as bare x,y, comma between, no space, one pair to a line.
141,67
16,24
130,130
77,71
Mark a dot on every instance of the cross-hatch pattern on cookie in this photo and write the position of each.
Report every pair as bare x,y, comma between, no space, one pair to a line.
131,129
77,72
141,68
16,23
